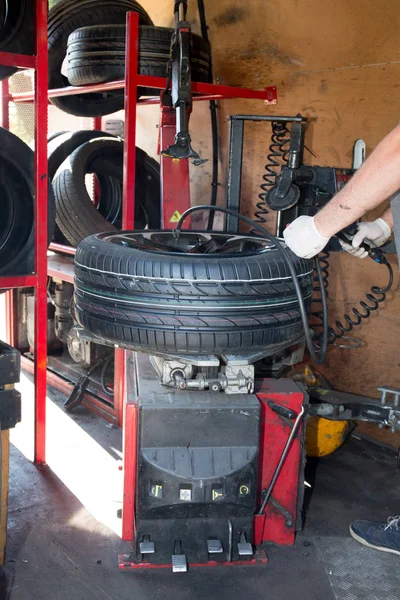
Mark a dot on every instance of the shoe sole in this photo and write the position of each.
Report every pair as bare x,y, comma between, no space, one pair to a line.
365,543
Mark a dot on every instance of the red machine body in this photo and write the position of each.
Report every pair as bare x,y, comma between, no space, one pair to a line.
280,520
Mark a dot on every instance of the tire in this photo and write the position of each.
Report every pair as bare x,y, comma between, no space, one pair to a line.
77,217
17,222
60,146
131,290
17,32
96,54
64,18
54,136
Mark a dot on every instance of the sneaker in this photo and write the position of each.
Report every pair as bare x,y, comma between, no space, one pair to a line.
380,536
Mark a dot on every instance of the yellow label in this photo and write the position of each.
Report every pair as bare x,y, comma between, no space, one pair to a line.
156,491
175,217
216,494
244,490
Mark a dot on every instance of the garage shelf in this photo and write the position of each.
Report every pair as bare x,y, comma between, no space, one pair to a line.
203,91
38,279
19,61
61,267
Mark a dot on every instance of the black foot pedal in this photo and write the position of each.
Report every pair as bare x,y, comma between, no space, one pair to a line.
214,547
244,547
179,562
146,546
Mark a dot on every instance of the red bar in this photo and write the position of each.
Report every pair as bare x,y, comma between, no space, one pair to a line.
128,203
175,181
18,281
20,61
97,123
11,319
61,267
260,560
59,383
119,385
130,466
207,90
5,99
61,248
41,230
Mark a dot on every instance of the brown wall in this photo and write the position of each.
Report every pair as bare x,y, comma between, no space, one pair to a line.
338,63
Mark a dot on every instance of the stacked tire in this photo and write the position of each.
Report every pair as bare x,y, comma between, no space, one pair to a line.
17,30
96,54
74,155
64,18
17,206
92,33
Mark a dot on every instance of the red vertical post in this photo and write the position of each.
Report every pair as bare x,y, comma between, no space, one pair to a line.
5,99
97,123
131,85
128,202
129,419
41,229
130,469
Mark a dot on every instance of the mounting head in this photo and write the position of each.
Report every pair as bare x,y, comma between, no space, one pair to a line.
276,200
183,149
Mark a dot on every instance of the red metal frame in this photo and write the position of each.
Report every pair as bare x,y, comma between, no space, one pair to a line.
39,62
175,176
202,91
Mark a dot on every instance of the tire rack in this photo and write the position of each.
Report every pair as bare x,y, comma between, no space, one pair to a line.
175,184
38,279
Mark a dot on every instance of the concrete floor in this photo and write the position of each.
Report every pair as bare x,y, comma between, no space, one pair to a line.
64,533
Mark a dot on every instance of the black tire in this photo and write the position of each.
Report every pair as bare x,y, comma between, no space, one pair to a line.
64,18
17,218
60,146
54,136
96,54
17,32
77,217
132,291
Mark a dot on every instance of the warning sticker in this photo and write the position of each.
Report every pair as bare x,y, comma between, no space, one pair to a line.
175,217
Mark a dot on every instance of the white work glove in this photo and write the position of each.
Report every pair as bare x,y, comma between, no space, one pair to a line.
376,233
303,238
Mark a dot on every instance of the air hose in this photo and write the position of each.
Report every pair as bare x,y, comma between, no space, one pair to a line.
375,297
214,123
317,353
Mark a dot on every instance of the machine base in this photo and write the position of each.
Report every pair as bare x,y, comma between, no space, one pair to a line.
126,563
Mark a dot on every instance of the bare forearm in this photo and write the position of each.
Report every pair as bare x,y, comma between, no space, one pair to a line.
387,216
374,182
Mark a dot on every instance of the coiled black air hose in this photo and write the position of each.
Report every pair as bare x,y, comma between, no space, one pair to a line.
317,353
375,297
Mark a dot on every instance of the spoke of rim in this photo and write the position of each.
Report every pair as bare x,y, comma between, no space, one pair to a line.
192,242
146,244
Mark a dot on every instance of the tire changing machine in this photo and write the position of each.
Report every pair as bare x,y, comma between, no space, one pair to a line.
212,474
214,457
